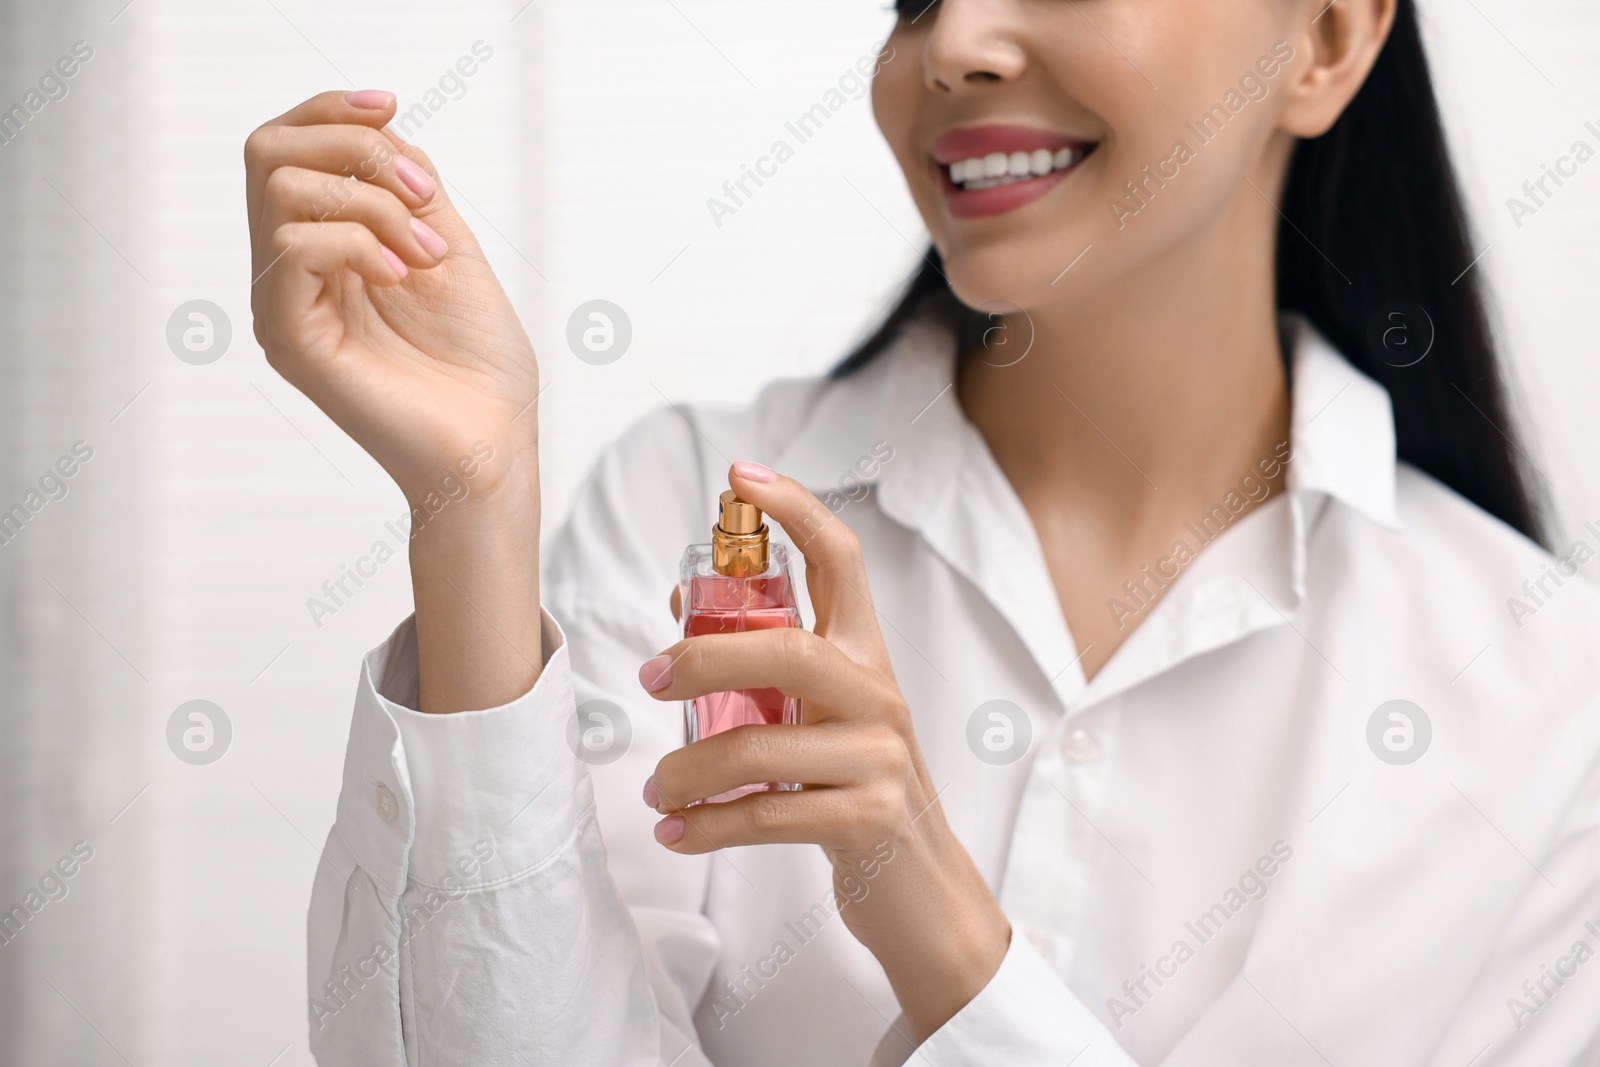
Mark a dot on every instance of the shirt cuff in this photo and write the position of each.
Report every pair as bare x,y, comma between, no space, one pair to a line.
467,800
1025,1016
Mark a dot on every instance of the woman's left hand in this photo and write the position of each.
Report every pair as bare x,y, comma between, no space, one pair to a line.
908,891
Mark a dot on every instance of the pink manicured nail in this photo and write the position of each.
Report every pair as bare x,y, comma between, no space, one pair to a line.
656,674
371,99
431,242
754,472
417,180
670,829
651,797
394,261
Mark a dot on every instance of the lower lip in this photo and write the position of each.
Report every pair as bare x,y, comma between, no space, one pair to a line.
982,203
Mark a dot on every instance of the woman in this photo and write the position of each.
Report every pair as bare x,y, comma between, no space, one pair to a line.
1189,717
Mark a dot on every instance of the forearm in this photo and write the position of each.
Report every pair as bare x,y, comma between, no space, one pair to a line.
475,581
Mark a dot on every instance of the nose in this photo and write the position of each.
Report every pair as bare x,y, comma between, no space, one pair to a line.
972,43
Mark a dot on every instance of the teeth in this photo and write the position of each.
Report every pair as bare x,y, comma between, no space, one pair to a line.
1000,168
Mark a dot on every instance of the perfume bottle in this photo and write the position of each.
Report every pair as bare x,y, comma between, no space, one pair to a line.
737,582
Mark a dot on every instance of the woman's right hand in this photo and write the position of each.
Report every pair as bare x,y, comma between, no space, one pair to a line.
372,297
413,350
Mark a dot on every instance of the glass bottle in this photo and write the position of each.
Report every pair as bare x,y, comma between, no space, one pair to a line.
737,582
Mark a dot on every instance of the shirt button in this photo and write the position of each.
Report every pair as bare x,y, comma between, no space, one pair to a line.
1081,746
388,806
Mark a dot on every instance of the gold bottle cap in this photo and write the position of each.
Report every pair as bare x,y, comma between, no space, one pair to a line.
739,539
737,517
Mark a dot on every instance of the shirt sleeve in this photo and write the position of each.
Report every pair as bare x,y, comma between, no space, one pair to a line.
1024,1017
463,911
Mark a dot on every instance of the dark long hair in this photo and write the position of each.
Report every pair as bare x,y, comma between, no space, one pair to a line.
1373,228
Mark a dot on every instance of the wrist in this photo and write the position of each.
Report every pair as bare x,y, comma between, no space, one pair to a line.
495,485
942,974
475,578
945,935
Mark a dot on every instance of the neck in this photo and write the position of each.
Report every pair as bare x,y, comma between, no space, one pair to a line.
1138,402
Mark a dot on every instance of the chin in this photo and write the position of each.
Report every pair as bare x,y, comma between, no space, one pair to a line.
1028,263
1005,277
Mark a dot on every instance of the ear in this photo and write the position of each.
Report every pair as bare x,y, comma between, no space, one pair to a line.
1339,47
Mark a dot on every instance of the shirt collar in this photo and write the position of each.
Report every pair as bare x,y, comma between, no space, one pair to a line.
1341,426
941,481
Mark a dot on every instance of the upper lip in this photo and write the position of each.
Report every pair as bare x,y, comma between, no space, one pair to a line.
971,142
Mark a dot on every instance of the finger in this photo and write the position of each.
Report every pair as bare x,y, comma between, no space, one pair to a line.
827,755
810,816
308,257
676,601
295,194
363,107
795,661
439,210
836,576
348,151
330,108
816,531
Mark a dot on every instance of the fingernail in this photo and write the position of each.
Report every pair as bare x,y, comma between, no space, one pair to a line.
394,261
651,797
670,829
417,180
372,99
431,242
754,472
656,674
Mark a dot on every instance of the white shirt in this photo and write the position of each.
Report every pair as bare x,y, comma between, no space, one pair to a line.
1204,858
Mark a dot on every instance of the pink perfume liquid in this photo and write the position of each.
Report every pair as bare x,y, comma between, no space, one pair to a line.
721,604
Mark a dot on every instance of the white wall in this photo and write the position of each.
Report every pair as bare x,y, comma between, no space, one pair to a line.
221,500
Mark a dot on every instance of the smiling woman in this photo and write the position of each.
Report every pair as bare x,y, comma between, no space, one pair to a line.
1048,794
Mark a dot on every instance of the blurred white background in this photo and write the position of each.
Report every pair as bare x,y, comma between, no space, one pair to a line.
218,500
